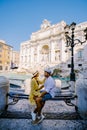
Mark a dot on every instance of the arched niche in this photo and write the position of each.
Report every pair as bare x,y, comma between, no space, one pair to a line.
45,53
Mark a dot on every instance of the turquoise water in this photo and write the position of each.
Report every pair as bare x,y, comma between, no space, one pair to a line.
16,78
64,81
10,75
62,78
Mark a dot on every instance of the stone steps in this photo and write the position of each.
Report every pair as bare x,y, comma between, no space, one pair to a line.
50,116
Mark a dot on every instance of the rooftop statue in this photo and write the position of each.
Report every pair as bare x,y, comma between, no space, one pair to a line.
45,24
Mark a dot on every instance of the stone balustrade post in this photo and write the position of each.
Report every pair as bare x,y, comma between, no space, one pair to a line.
81,91
4,88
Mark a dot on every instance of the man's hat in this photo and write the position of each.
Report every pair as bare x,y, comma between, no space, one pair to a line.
48,71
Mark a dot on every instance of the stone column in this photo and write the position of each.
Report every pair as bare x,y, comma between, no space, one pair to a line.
29,56
62,53
52,52
49,56
21,58
38,54
32,55
23,55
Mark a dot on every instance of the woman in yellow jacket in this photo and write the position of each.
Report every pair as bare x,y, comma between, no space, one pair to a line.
35,92
35,88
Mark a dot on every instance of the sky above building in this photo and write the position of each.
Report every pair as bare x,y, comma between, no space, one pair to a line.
19,18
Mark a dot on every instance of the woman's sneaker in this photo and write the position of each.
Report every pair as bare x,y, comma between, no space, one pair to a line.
33,116
38,120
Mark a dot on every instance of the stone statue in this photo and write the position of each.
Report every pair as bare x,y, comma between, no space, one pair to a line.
45,24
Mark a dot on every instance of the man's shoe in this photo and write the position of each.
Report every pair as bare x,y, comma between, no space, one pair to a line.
37,121
33,116
40,118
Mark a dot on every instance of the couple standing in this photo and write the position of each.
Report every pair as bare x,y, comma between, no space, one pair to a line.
38,97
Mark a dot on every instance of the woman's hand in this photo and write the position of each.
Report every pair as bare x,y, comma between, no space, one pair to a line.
35,97
42,86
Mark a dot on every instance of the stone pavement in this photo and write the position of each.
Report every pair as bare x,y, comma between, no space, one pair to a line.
48,124
25,124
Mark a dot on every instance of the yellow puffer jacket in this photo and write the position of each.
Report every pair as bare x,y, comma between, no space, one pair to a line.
34,90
